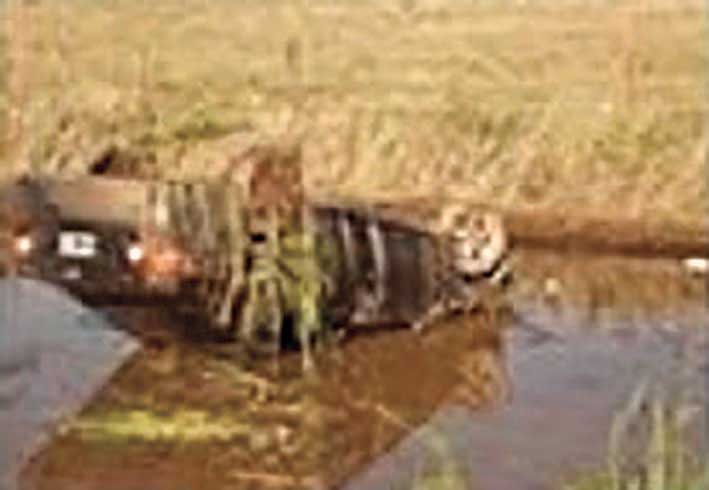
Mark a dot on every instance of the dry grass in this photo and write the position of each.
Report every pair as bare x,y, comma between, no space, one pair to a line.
594,107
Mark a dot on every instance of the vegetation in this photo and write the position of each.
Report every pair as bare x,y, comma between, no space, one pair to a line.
444,472
535,104
648,449
139,424
595,108
666,461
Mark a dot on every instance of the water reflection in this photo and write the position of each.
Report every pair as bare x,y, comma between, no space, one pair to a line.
610,292
584,335
383,385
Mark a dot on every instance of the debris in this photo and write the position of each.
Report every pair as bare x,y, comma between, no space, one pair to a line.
276,480
259,441
697,266
184,425
552,288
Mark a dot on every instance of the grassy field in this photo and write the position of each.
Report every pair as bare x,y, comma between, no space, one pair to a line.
595,108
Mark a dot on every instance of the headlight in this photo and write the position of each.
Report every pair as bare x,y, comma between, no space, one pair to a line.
135,253
24,244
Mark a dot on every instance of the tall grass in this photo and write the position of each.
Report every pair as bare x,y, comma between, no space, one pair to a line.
649,449
595,107
18,28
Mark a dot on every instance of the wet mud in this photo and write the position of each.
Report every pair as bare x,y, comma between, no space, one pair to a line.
573,232
519,397
629,237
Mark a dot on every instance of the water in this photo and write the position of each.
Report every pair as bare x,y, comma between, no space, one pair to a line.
519,400
542,387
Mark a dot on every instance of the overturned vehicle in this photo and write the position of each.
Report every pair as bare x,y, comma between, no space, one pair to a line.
260,269
86,236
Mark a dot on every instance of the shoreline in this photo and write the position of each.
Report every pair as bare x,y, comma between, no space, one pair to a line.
619,236
576,232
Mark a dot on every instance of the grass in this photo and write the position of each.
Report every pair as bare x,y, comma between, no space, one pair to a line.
186,426
648,449
444,473
664,459
592,108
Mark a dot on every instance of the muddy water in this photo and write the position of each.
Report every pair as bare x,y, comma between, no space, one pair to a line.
518,399
583,336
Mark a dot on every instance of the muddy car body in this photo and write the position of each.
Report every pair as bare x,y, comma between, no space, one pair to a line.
399,270
86,235
202,244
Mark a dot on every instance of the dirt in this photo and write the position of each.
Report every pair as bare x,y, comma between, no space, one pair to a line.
363,381
378,388
179,371
573,231
640,238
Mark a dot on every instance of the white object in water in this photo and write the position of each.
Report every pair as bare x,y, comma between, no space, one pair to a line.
696,265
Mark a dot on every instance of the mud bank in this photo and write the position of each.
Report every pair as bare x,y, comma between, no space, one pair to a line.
641,238
574,231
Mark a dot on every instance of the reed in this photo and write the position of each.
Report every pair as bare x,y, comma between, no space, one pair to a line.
593,108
